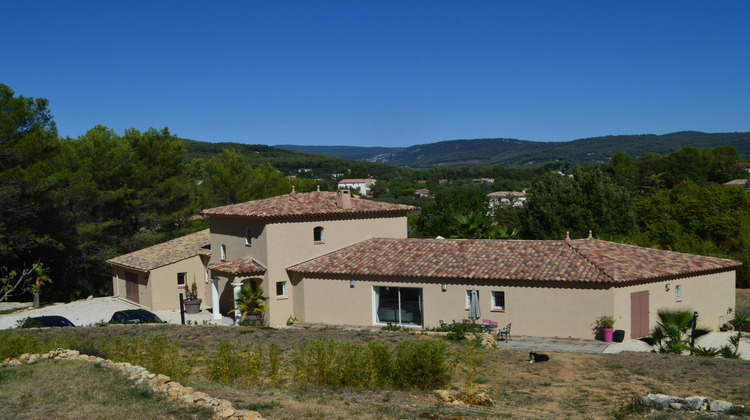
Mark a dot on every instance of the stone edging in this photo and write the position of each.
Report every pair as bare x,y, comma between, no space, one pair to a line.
158,383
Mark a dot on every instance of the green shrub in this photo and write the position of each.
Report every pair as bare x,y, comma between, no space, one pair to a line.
421,364
14,344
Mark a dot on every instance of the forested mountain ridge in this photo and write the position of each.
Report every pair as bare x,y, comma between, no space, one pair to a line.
524,153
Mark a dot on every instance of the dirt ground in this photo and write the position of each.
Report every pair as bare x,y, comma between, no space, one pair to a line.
569,385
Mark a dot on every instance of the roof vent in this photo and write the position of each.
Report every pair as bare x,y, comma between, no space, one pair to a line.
344,199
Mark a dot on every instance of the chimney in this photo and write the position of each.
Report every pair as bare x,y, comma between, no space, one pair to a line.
344,199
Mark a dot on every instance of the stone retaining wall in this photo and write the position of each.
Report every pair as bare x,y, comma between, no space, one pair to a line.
158,383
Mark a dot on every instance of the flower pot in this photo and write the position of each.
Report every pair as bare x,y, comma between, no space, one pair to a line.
193,306
607,334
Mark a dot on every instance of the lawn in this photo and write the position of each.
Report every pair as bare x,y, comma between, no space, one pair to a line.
569,385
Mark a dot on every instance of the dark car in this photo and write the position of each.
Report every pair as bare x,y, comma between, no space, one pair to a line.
135,316
46,321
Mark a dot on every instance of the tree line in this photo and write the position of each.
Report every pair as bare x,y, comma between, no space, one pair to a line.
67,205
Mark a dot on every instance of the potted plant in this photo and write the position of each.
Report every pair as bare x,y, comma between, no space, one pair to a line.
192,303
251,303
606,324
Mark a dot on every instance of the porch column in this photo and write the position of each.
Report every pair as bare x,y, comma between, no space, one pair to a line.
215,298
237,313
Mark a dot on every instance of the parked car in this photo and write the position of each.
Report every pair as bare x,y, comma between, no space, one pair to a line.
135,316
46,321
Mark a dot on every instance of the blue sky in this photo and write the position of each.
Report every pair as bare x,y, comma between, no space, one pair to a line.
382,73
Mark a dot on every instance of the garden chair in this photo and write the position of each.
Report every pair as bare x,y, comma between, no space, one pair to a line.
489,325
504,334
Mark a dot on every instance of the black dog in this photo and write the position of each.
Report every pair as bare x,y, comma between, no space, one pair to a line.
536,357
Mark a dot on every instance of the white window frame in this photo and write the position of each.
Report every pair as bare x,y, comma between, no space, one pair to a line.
678,293
322,238
184,279
285,290
223,252
468,298
248,236
493,301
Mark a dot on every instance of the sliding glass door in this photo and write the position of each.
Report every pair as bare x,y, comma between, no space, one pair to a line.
398,305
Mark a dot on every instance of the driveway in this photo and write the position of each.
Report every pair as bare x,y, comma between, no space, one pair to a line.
90,311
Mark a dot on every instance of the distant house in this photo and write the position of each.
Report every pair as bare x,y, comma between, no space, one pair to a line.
422,192
154,276
364,185
338,175
483,180
507,198
745,166
327,257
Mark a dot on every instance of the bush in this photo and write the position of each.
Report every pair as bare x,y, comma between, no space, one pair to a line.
421,364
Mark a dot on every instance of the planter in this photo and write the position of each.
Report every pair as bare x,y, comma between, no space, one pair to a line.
193,306
607,334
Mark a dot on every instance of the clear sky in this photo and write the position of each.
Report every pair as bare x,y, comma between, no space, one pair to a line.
382,73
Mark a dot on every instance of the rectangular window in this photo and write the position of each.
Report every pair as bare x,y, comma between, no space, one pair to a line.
319,235
468,299
181,279
398,305
223,252
281,290
498,301
248,236
678,293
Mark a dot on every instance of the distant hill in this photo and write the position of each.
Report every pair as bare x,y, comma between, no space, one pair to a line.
524,153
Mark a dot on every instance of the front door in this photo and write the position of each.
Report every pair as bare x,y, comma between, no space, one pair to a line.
131,286
639,314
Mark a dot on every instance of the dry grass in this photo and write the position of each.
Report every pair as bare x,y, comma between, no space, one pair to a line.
570,385
82,390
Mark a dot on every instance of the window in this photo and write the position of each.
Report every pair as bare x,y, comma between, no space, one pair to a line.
678,293
181,279
281,290
468,299
223,252
208,277
319,235
498,301
398,305
248,236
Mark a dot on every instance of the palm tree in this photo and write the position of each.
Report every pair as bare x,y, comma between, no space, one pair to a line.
674,333
251,301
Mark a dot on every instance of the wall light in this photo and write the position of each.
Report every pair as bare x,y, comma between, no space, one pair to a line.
666,287
351,283
444,287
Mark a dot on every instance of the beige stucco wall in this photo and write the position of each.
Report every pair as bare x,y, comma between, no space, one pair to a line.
158,289
709,294
545,310
280,244
118,284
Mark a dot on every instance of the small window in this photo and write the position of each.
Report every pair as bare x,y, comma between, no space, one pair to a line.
468,299
208,277
223,252
319,235
181,279
248,236
678,293
498,301
281,290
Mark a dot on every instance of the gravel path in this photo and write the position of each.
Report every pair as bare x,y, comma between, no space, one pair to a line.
88,312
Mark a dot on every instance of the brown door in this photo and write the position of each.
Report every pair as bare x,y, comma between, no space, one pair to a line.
131,286
639,314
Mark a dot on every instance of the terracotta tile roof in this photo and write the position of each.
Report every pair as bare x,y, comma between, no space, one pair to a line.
584,260
239,266
307,205
165,253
